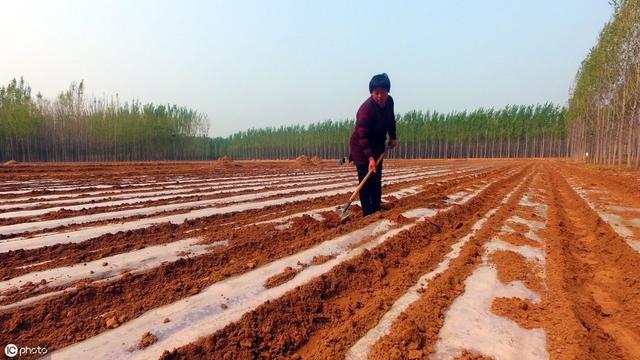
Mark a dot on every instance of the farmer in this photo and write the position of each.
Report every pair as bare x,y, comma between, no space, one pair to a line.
374,120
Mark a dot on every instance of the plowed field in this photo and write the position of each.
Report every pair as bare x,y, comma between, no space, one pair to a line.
499,259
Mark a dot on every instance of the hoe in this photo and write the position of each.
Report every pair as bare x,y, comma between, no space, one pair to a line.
344,213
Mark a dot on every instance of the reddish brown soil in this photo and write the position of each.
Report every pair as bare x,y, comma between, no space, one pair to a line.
518,239
421,323
112,244
184,197
512,266
317,260
598,275
146,340
326,315
328,200
589,286
281,278
589,310
185,277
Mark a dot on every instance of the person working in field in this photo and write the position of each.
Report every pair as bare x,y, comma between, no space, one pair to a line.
374,120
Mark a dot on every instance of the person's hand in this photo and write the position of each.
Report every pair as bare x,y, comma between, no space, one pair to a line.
392,144
372,164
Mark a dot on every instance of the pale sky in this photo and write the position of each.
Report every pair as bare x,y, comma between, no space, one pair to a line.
270,63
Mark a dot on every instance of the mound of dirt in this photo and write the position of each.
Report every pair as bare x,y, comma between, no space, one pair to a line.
10,162
303,160
316,160
225,161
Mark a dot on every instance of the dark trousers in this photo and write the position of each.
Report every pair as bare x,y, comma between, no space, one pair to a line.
371,192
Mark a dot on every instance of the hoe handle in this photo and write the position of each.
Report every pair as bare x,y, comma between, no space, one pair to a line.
353,196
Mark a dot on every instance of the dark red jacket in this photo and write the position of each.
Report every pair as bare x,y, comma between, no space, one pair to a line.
370,133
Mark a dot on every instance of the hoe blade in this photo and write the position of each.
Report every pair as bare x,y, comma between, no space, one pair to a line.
343,213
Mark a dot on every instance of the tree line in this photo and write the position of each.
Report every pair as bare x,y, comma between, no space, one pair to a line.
513,131
603,115
73,127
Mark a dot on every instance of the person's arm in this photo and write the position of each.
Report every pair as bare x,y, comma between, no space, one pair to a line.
393,141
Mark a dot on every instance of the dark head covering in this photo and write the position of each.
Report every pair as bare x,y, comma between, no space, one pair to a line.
380,81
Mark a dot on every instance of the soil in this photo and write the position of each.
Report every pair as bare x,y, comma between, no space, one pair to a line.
588,284
304,161
225,161
281,278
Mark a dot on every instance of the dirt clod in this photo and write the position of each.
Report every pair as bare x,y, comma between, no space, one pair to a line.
146,340
112,323
318,260
287,274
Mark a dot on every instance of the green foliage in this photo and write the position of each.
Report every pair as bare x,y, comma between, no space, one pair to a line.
604,116
510,132
74,128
